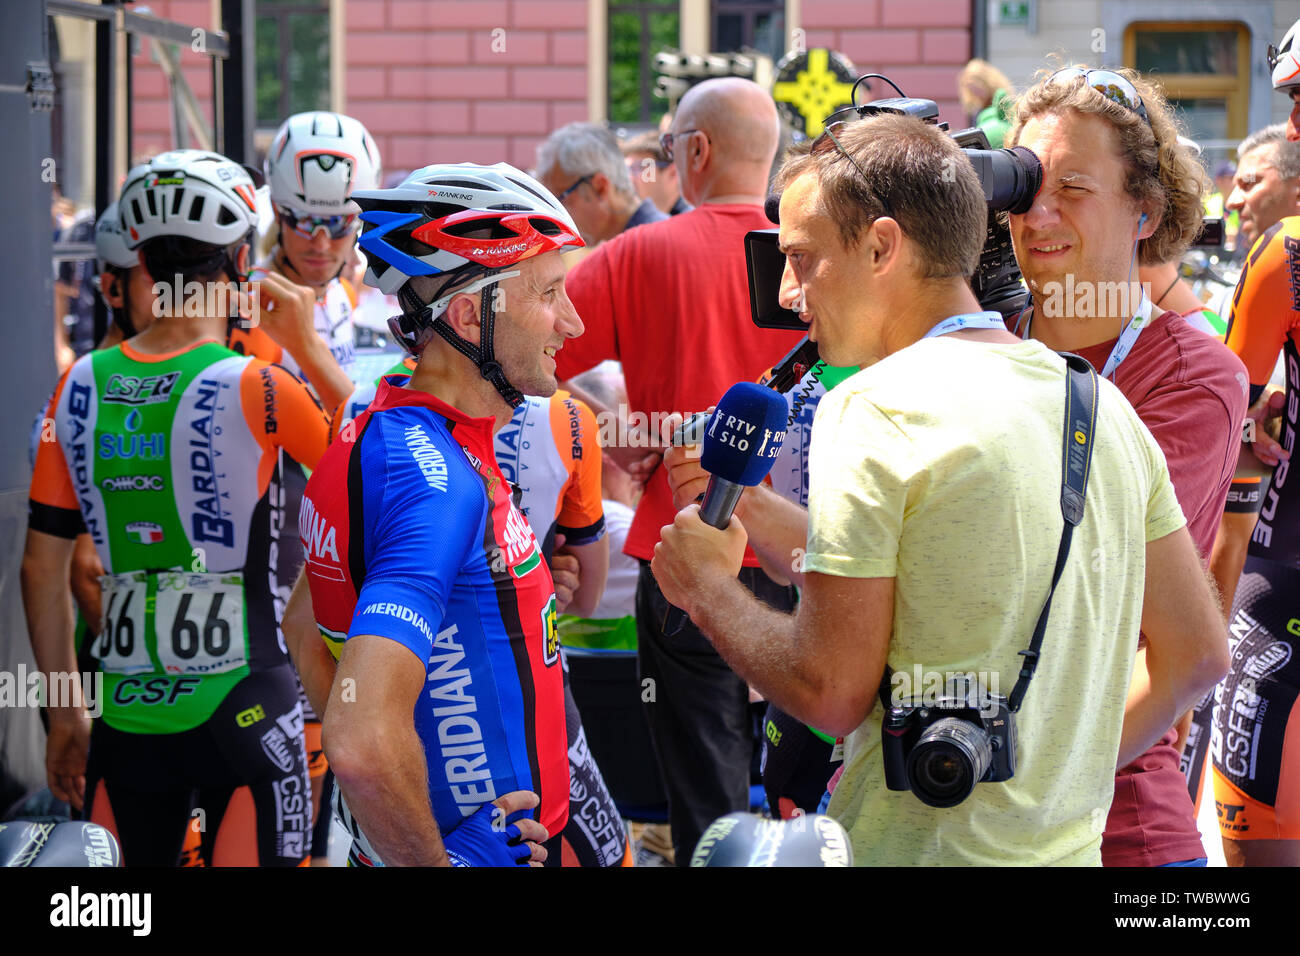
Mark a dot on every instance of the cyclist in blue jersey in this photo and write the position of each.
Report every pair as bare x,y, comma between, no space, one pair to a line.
426,582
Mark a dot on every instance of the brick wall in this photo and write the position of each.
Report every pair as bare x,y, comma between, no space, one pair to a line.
919,44
465,80
486,80
151,125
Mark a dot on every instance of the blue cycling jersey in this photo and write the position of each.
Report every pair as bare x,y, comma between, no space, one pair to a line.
409,533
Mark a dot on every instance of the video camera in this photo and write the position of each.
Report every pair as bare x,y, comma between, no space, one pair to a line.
1010,179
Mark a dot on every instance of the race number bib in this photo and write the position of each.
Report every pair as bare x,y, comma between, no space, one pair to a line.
172,622
199,621
121,646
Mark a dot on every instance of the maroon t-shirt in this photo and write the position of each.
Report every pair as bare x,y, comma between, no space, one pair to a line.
1190,391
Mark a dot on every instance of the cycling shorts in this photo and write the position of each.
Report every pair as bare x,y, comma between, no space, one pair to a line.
1256,734
595,834
147,788
796,764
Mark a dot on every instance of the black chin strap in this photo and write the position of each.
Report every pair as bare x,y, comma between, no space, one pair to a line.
122,316
231,266
412,326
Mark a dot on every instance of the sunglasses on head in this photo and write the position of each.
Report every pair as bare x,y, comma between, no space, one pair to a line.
823,144
1114,86
336,227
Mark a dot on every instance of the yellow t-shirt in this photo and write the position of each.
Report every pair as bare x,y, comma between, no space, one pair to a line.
940,466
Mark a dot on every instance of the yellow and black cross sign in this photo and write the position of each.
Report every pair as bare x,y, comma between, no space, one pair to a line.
811,86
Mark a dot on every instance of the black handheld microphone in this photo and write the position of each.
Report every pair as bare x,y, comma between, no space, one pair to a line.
742,440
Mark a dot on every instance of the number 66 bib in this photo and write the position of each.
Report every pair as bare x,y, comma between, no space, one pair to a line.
173,622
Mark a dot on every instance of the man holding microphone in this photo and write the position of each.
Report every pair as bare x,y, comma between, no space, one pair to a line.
933,519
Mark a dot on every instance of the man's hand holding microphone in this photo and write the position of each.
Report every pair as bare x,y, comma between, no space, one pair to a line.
704,545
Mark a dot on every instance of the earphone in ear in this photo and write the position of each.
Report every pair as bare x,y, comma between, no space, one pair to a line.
1142,221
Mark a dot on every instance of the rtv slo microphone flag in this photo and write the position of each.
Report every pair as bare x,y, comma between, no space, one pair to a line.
741,441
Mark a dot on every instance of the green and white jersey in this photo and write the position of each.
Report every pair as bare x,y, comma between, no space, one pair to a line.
171,464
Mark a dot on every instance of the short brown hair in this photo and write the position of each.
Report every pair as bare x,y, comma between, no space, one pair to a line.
921,175
1160,170
646,144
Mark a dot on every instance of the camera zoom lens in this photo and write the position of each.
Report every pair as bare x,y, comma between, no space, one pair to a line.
951,756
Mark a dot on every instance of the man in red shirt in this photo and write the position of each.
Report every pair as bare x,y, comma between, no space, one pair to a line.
1112,198
670,301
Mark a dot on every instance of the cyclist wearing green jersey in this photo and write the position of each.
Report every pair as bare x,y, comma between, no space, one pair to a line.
165,450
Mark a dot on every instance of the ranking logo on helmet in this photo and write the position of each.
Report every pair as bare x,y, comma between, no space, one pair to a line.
500,252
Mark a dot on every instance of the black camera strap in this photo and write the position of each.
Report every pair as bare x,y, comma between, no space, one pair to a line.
1076,459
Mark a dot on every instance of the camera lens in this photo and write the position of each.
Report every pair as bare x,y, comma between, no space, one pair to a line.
1011,178
951,756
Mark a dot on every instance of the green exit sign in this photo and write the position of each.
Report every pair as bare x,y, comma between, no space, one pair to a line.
1013,12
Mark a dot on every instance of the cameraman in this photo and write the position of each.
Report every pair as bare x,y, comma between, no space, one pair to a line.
1118,192
934,518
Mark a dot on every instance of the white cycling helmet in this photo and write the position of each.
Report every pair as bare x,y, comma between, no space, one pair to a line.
418,228
317,159
432,224
1284,62
110,243
187,193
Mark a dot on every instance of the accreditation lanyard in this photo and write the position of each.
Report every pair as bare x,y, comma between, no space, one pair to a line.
968,320
1127,339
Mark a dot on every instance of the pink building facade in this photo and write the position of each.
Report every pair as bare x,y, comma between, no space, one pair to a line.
486,80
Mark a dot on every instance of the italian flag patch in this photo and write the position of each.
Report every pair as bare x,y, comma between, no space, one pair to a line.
144,532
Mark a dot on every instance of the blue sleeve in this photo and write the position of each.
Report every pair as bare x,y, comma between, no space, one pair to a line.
419,535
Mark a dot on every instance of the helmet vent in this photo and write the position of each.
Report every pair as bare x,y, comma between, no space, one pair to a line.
152,203
196,209
224,216
463,184
527,188
177,196
135,208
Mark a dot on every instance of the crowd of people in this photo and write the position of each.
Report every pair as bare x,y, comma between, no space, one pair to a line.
1014,581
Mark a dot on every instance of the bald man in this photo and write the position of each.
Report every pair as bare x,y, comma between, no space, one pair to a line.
670,301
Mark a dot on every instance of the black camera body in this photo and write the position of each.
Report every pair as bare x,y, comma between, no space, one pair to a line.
1010,179
939,750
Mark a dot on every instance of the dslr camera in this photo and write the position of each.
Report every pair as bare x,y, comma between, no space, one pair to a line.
1010,178
939,750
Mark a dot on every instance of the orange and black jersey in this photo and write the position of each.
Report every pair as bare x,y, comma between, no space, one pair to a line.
1264,320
